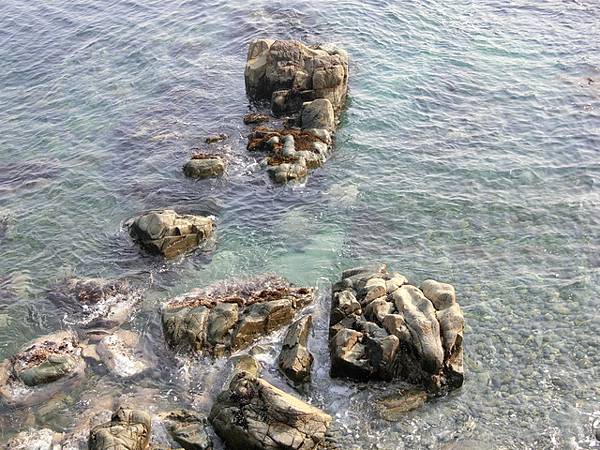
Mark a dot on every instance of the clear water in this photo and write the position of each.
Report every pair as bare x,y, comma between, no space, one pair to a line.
469,152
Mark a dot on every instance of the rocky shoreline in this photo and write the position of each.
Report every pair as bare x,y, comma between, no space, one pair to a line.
381,327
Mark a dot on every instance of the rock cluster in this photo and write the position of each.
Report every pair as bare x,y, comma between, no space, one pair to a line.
383,328
308,83
222,319
254,414
170,234
42,368
295,361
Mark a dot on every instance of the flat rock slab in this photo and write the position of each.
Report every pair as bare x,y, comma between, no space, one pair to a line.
383,328
42,368
95,302
253,414
168,233
230,316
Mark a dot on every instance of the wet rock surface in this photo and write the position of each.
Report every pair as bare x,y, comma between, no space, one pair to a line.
168,233
120,352
295,360
41,368
394,407
383,328
188,429
204,166
128,430
95,302
230,316
252,413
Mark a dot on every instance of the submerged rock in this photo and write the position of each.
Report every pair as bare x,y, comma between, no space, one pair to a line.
95,302
204,166
383,328
254,414
43,367
289,73
127,430
228,317
295,361
394,407
170,234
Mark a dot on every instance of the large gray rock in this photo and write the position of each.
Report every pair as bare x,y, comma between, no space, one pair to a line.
127,430
95,302
170,234
295,361
204,166
42,368
289,73
230,316
383,328
253,414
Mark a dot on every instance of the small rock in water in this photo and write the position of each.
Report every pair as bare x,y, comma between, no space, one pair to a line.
255,118
394,407
252,413
216,138
204,166
127,429
188,429
295,361
170,234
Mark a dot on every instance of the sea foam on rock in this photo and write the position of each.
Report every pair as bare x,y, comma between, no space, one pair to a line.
383,328
230,316
168,233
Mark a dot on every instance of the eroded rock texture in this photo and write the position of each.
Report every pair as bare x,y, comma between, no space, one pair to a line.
253,414
170,234
127,430
295,361
95,302
230,316
289,73
43,367
383,328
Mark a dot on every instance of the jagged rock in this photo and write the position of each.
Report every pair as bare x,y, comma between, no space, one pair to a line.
215,138
228,317
253,118
318,114
188,429
383,328
43,367
295,361
204,166
44,439
289,73
127,430
168,233
95,302
121,354
255,414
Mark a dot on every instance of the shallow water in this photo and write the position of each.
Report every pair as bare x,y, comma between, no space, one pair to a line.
468,153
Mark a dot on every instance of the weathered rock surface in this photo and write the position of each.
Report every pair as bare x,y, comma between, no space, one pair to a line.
228,317
95,302
383,328
289,73
44,439
204,166
127,430
42,368
121,353
188,429
168,233
295,361
318,114
253,414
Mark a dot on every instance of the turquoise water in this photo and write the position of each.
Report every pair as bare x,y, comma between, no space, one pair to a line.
469,152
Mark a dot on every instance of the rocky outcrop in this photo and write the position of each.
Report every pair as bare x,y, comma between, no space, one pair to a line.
295,361
95,302
188,429
168,233
43,367
230,316
253,414
127,430
204,165
383,328
289,73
